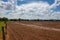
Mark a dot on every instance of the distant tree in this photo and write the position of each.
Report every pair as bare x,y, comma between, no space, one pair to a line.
13,20
19,19
4,19
0,18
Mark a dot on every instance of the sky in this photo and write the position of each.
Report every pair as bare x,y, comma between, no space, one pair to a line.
30,9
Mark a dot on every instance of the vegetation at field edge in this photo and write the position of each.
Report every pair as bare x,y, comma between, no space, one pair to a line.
1,24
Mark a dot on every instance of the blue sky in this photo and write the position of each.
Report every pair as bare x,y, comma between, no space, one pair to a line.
28,1
19,2
26,9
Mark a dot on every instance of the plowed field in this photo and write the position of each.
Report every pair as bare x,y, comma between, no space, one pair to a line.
33,30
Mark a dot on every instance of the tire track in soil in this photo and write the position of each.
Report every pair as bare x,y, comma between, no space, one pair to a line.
14,34
22,32
41,27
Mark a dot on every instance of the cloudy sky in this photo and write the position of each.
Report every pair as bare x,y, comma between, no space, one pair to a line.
30,9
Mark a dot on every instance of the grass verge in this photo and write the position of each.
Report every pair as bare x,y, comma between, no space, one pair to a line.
1,24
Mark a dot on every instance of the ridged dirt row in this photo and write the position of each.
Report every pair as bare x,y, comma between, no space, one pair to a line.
33,30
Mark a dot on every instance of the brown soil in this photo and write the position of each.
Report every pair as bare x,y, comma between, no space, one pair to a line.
17,31
0,36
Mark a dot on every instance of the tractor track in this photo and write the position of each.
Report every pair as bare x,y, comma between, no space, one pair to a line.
22,31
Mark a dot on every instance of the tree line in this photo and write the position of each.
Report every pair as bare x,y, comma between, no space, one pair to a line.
6,19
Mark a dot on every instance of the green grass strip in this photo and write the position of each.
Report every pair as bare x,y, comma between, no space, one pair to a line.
1,24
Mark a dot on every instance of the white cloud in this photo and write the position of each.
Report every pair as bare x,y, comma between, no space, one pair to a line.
37,10
34,10
56,3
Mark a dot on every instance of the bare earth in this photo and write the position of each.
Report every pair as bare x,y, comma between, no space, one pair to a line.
33,30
